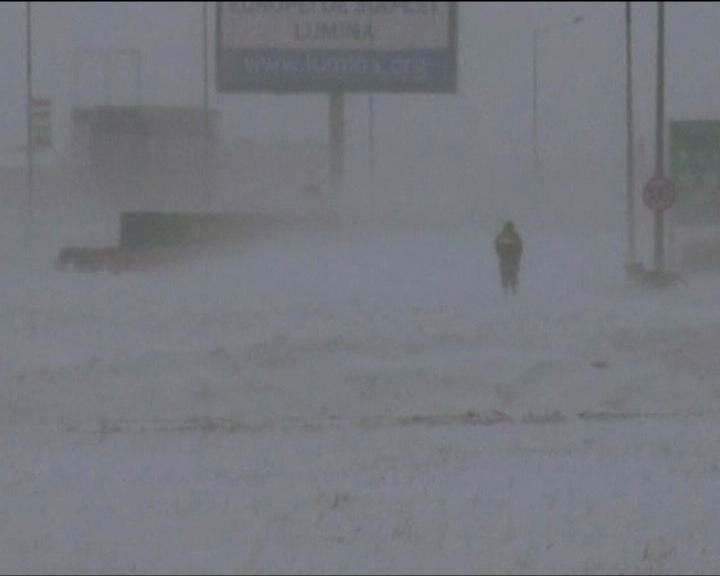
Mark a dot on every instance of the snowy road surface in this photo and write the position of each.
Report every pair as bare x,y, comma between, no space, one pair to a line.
364,400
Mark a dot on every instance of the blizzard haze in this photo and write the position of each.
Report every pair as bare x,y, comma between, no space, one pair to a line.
281,374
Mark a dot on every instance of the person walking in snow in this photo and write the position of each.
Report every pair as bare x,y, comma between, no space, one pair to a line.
509,248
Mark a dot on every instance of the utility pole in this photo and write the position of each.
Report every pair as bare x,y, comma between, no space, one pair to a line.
630,158
660,134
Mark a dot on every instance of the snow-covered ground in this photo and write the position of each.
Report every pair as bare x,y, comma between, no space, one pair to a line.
361,399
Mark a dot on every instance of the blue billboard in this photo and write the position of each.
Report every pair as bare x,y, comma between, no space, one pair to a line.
337,47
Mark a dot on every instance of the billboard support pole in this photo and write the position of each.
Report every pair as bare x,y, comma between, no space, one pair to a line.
337,143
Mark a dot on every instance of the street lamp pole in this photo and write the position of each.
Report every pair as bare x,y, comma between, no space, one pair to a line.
28,72
205,66
660,134
206,108
371,122
536,152
630,157
29,158
371,135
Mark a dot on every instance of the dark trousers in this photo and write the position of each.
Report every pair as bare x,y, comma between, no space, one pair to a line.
509,269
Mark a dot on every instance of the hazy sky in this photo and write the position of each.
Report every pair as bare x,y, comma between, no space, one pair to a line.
581,75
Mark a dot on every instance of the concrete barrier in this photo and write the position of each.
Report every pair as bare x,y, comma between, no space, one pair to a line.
144,230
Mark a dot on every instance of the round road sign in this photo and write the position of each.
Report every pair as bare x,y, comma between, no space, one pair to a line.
659,194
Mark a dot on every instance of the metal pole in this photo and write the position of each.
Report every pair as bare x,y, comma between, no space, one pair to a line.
536,153
630,162
206,110
371,115
28,57
138,77
29,159
107,64
336,143
205,68
371,135
659,134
